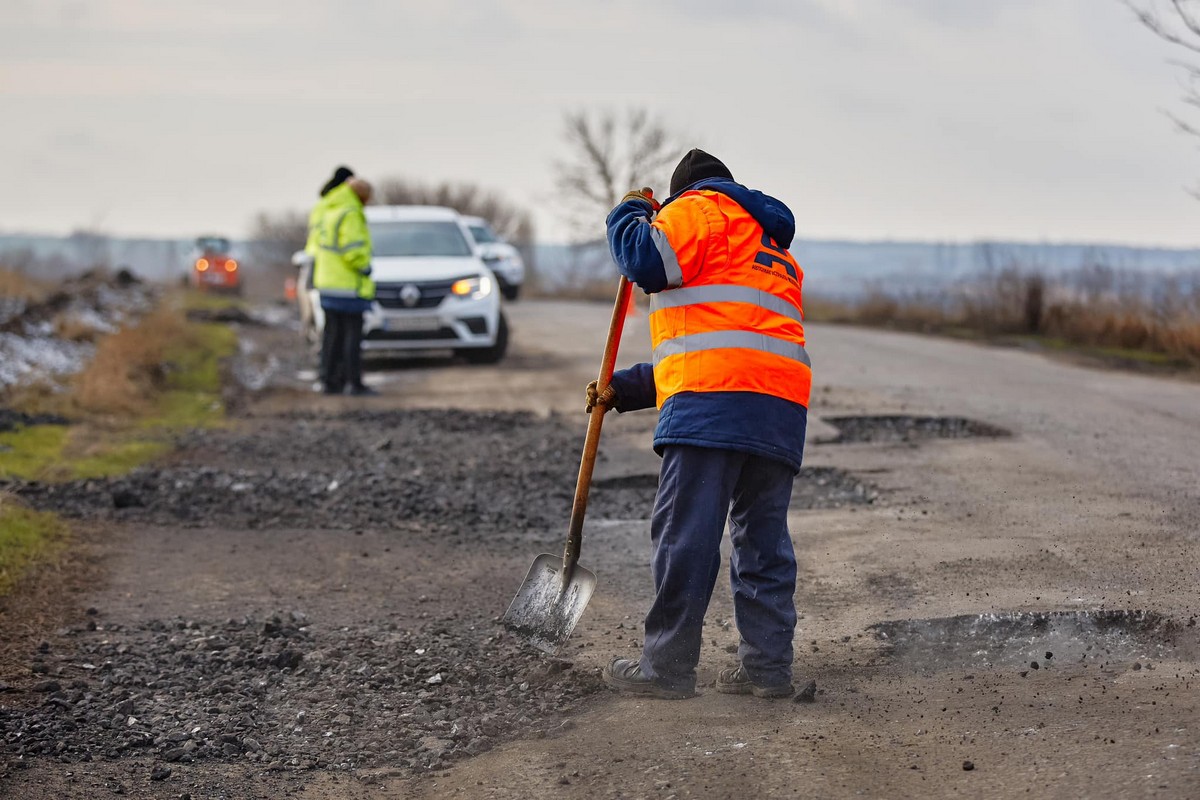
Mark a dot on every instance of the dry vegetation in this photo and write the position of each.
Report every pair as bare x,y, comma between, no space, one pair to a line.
19,286
129,365
1130,315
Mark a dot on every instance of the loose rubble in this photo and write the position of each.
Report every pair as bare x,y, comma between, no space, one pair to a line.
451,470
289,693
284,692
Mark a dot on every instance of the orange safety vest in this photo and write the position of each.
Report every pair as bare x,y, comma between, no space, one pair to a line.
732,319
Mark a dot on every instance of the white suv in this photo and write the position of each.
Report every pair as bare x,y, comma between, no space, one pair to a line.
504,259
433,290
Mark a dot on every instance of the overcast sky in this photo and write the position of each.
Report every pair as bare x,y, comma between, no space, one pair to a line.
909,119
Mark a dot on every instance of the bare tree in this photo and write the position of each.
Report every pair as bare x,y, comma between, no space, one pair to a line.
608,154
1177,22
511,221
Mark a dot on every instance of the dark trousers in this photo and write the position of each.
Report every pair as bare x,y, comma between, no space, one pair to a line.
699,487
341,351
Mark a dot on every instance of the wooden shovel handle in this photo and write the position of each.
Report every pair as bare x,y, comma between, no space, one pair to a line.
592,442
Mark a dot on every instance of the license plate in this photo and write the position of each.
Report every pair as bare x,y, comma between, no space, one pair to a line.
411,324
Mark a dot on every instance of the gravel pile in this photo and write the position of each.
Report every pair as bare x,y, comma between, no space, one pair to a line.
284,693
446,470
437,468
902,428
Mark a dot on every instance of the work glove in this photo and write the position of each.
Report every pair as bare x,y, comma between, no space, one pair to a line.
607,398
645,195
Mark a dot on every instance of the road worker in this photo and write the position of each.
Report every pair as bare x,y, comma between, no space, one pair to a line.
340,175
731,378
341,275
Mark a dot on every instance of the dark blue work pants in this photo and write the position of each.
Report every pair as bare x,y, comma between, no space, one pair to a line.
698,488
341,351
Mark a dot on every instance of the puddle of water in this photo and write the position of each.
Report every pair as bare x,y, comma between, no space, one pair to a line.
904,428
1049,638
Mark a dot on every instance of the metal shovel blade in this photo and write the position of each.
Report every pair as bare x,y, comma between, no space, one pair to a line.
543,613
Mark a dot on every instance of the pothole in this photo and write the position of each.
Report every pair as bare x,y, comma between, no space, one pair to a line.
1038,639
906,428
632,496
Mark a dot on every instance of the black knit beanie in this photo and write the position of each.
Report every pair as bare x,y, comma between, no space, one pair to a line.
340,176
695,166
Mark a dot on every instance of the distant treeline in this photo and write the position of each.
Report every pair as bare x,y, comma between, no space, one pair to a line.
833,269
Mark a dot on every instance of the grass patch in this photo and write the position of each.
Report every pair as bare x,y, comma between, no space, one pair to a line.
1120,356
32,453
146,382
116,458
26,536
195,300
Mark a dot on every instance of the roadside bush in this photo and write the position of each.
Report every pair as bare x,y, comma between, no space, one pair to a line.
16,285
130,365
1095,306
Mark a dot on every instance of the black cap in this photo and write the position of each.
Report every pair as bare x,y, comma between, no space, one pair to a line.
340,176
697,165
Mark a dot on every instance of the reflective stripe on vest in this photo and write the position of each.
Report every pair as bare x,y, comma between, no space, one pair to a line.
723,340
670,260
725,293
337,232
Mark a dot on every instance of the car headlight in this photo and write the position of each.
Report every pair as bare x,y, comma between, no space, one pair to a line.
472,288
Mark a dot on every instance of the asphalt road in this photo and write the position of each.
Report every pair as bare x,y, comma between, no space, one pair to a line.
1091,506
1089,509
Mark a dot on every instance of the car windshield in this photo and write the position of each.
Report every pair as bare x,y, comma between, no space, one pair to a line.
483,234
392,239
212,244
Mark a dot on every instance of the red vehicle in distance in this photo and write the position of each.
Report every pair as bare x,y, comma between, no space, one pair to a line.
213,267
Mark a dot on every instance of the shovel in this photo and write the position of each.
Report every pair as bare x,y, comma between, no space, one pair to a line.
556,590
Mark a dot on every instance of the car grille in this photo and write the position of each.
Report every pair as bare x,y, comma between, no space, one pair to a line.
432,293
411,336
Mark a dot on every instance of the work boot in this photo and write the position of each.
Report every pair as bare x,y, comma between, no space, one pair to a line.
625,675
362,390
735,680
